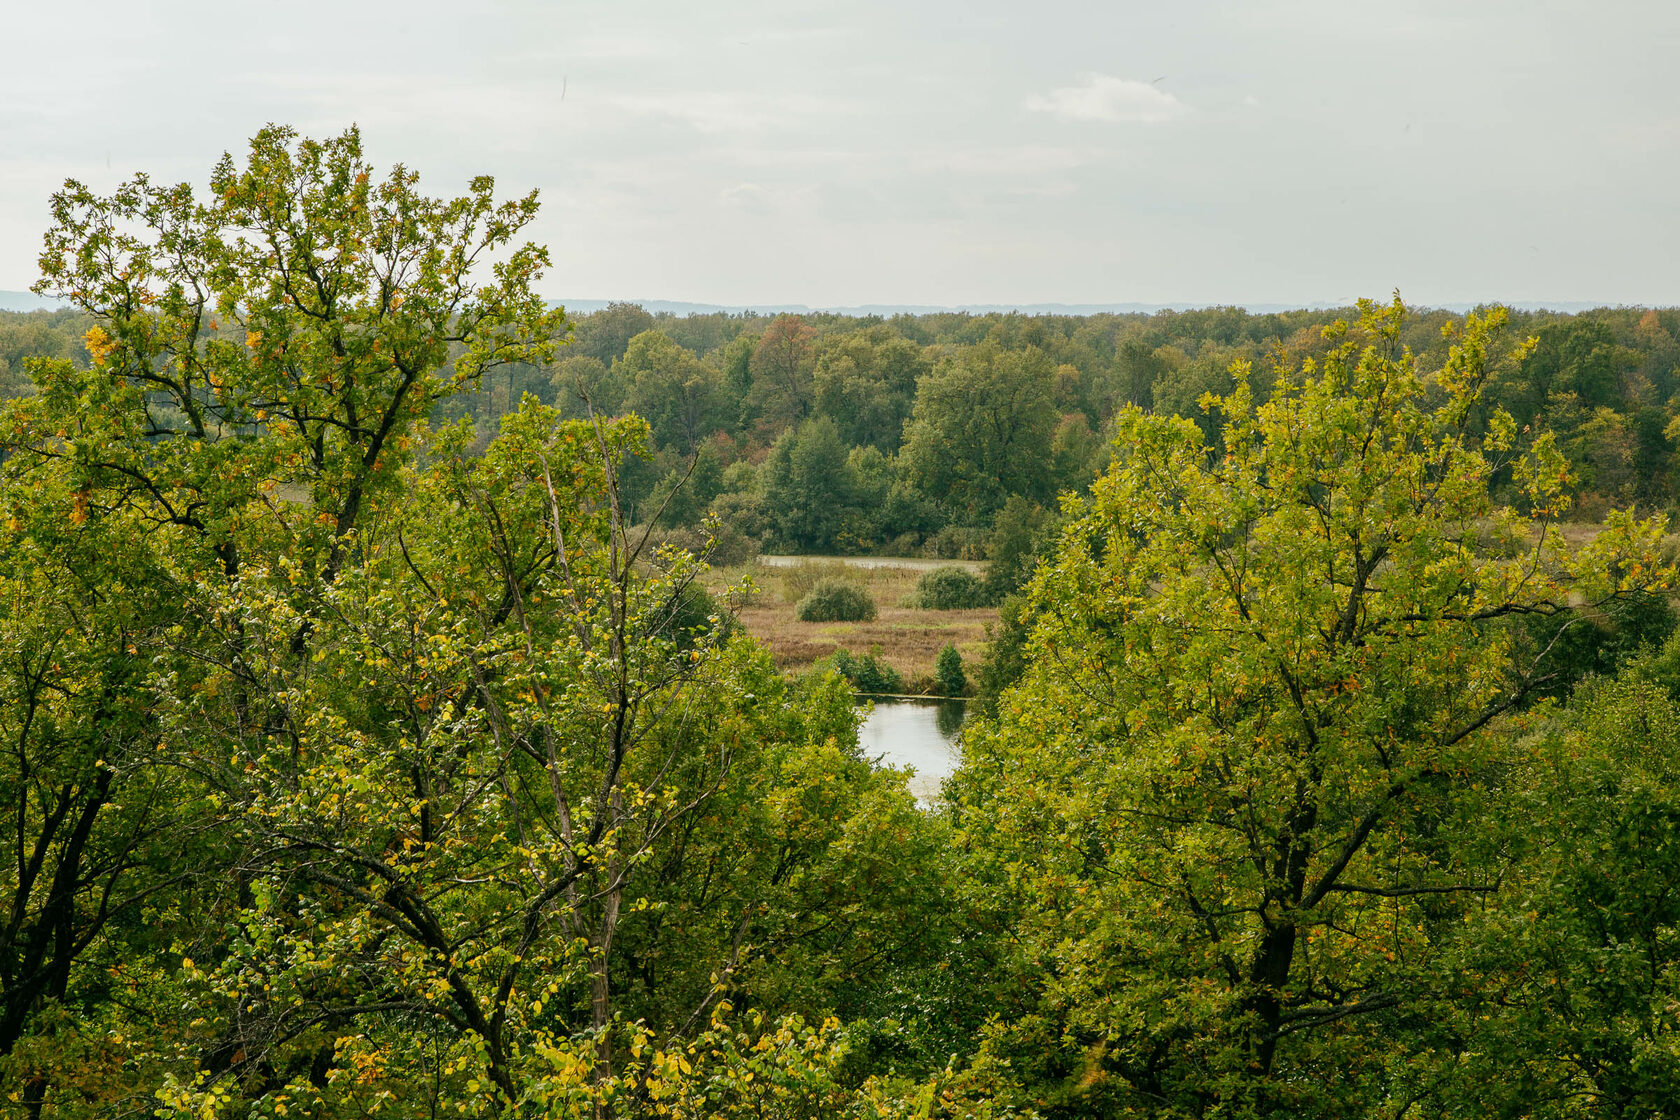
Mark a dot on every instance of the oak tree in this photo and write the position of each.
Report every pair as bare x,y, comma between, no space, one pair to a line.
1238,790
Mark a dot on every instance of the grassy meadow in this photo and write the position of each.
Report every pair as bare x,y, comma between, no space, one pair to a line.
907,638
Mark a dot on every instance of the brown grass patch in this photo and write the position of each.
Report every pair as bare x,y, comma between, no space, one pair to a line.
909,640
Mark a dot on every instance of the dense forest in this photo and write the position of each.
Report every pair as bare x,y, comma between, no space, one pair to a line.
373,745
907,436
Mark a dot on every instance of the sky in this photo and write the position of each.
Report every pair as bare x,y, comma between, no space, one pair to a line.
922,151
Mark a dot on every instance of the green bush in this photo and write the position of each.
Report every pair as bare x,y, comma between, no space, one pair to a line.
728,547
950,589
691,616
868,673
833,600
799,580
948,671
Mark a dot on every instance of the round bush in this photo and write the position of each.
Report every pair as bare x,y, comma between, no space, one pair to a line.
833,600
867,672
691,616
948,672
950,589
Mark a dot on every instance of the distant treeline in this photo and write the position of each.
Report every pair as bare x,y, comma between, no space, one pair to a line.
908,435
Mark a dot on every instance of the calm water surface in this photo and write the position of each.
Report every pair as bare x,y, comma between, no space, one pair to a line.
917,733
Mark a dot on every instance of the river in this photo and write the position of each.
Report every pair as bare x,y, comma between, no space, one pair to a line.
921,734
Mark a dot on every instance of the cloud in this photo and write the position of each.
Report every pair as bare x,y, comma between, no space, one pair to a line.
750,197
718,112
1104,98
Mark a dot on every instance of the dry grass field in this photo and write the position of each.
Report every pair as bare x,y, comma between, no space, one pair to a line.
907,638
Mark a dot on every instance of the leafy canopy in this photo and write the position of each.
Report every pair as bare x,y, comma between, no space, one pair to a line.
1236,790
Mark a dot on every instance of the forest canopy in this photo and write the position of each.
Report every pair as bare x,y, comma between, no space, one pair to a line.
380,743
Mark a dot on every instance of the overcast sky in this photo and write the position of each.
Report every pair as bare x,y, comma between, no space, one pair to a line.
1262,151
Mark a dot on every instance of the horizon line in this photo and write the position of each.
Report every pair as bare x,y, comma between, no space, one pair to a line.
25,301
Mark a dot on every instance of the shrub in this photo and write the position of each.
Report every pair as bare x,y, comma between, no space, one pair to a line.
950,589
948,671
833,600
728,547
732,547
868,673
799,580
692,613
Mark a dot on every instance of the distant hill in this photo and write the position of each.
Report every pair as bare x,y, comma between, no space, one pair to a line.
679,308
28,301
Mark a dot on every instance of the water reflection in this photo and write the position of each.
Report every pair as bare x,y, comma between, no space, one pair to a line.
917,733
948,716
